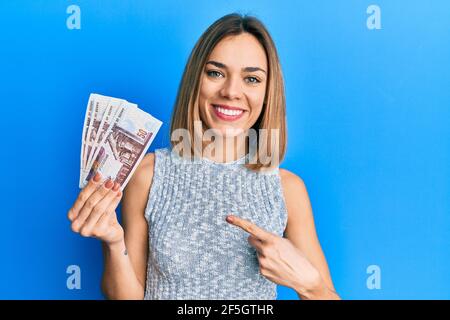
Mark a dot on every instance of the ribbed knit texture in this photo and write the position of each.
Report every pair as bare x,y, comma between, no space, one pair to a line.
193,252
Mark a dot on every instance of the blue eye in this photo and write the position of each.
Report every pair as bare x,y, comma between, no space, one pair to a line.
213,73
255,80
217,74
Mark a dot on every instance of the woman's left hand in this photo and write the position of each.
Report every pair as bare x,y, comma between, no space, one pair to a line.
279,260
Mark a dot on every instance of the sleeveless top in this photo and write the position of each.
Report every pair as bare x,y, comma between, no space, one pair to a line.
194,253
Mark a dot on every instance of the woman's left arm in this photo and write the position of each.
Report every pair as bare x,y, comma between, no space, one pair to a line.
295,260
301,232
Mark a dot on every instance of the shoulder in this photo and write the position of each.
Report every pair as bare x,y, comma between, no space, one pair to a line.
295,194
144,172
147,163
137,189
290,181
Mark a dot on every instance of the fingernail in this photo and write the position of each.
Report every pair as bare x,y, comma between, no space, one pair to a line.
116,186
97,177
109,184
230,218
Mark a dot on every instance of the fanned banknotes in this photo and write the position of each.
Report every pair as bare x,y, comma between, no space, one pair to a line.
116,135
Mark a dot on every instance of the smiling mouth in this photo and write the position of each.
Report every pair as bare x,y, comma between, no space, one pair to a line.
227,113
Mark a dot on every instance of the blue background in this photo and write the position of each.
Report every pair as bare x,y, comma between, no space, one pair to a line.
368,121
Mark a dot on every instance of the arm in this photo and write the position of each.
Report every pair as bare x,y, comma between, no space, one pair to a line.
126,261
300,230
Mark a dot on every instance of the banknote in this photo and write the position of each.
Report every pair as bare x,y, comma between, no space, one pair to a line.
99,108
116,139
103,129
87,119
118,115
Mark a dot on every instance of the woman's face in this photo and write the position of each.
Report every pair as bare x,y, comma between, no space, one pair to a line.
233,85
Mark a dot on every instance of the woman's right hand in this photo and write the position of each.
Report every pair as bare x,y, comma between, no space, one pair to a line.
94,211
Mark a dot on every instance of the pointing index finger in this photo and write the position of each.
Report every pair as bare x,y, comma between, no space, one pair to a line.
250,227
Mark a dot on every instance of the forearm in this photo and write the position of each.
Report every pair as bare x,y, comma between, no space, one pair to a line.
119,280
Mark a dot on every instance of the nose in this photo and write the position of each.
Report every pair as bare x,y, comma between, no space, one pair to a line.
231,89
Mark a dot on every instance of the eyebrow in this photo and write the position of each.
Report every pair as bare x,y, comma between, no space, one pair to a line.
246,69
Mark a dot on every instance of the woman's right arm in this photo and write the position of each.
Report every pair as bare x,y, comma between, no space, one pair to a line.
124,248
125,270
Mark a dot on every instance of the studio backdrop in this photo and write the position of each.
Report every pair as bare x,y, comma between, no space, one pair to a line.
368,111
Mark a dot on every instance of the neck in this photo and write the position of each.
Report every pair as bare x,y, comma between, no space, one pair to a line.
228,149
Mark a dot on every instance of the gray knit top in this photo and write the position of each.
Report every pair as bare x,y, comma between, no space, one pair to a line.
194,253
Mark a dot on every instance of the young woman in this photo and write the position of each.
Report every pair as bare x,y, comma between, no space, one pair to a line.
222,226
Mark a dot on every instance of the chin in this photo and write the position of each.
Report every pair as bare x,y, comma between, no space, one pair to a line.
227,131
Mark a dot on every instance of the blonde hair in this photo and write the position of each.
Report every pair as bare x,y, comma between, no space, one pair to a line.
273,114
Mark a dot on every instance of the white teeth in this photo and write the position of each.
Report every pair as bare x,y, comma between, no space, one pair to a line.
228,112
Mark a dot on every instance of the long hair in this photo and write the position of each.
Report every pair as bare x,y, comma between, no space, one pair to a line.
273,114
